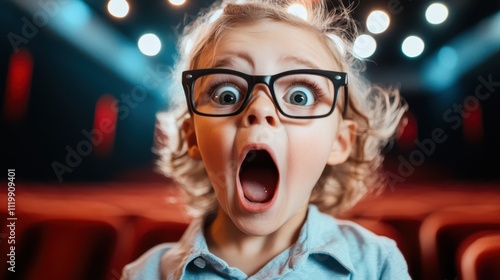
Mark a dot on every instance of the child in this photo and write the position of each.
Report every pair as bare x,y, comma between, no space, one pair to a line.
270,136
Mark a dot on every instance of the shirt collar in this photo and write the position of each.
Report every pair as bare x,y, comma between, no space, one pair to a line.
194,246
322,235
319,235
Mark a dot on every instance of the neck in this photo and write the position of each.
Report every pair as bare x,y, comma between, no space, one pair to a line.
250,253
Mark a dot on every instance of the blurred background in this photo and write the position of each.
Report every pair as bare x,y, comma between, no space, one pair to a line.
68,66
83,80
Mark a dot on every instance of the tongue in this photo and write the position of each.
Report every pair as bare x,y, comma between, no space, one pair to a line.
258,184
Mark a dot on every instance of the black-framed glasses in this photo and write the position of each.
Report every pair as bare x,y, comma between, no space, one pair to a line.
301,93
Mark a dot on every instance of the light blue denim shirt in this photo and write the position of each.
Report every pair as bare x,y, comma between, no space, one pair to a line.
326,249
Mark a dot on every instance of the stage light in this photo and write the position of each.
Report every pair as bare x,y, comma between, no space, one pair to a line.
472,121
364,46
436,13
408,131
298,10
177,2
377,22
413,46
469,49
149,44
105,116
118,8
447,57
18,85
74,15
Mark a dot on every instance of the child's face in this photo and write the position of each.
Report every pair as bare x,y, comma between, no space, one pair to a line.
258,199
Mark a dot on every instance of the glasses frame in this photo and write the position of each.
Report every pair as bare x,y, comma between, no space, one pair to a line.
338,79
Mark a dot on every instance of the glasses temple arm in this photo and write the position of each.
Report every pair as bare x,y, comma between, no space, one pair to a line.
346,101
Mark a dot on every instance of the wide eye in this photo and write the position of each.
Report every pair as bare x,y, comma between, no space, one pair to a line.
300,95
226,94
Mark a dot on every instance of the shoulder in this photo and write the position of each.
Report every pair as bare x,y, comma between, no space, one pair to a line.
360,238
360,251
148,266
356,237
372,254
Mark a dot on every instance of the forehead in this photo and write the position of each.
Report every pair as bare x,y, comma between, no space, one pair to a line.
267,42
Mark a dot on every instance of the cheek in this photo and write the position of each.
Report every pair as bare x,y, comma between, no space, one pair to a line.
308,152
216,145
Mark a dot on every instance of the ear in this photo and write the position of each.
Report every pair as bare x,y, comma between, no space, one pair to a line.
344,143
190,138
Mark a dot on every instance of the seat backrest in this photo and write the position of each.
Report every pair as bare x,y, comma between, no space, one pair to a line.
66,248
65,238
442,232
479,256
151,232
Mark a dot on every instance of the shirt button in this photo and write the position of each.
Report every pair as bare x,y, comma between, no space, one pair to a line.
218,267
200,262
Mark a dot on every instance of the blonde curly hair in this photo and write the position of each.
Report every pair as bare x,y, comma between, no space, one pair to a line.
376,111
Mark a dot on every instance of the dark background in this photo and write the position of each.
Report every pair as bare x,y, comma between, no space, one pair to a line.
74,65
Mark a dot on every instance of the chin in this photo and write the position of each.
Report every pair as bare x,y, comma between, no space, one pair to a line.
258,227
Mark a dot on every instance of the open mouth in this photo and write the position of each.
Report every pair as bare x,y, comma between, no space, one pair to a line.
258,176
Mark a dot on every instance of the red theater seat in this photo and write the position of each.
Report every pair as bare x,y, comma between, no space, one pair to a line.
479,256
66,248
150,232
442,232
65,238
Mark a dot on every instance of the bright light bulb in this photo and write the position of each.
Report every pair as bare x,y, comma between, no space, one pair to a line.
118,8
364,46
436,13
413,46
149,44
177,2
377,22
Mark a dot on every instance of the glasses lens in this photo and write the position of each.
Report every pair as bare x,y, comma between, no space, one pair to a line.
219,94
305,95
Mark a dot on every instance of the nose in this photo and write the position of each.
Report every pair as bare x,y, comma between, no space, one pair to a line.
261,109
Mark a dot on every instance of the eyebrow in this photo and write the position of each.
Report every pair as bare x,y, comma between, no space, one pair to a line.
228,59
299,61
